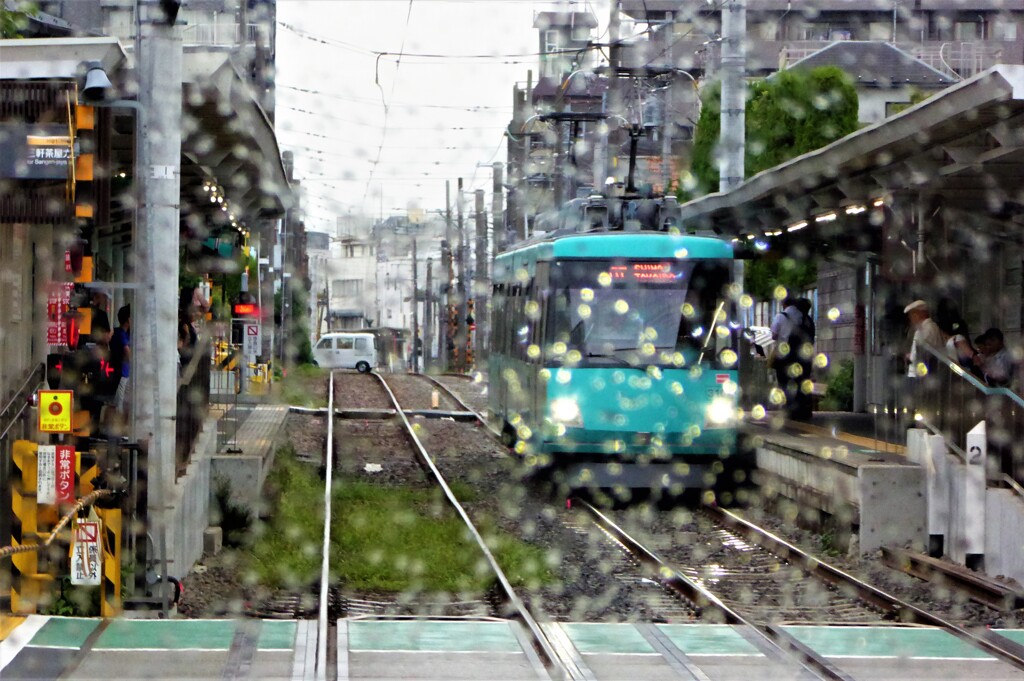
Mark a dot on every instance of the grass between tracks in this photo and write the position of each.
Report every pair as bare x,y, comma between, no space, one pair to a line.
384,539
294,389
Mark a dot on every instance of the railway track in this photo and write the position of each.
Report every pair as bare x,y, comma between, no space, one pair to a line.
511,605
700,585
774,584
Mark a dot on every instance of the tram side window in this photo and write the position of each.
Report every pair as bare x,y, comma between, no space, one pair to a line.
522,326
500,307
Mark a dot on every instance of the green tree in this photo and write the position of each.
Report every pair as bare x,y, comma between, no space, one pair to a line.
789,114
14,21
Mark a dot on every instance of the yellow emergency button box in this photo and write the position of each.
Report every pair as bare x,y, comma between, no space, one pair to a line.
55,411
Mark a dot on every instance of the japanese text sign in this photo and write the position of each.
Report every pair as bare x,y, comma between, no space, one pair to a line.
55,411
55,474
86,559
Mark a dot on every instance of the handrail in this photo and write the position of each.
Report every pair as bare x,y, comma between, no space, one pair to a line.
1014,485
967,376
948,442
198,354
19,400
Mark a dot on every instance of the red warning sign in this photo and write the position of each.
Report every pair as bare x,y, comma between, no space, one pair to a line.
86,561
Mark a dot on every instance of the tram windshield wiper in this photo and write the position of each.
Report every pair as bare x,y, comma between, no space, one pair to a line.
618,359
711,331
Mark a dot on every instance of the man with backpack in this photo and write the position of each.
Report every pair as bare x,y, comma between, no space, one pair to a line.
793,332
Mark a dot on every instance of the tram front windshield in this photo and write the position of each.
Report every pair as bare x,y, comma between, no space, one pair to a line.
610,311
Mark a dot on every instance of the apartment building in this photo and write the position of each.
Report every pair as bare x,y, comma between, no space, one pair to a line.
667,49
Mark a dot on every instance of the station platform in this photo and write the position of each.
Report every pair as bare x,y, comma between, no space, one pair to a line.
848,468
42,647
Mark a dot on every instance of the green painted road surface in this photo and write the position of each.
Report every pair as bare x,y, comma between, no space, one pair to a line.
1015,635
167,635
425,636
277,635
886,642
622,639
64,632
708,639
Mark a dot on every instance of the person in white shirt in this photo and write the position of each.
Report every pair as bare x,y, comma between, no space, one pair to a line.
925,331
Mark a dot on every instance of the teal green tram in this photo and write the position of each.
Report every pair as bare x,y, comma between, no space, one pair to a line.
614,358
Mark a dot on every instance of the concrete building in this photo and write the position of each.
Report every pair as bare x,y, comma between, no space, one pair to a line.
232,191
666,49
887,79
353,277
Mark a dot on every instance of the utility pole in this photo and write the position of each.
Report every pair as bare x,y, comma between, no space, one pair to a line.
460,253
428,313
415,312
445,332
668,122
499,235
158,175
734,94
480,278
613,99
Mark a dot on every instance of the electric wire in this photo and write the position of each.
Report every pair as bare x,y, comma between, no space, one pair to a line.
387,109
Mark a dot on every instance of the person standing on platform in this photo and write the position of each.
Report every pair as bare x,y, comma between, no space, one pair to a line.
120,359
995,361
925,332
789,331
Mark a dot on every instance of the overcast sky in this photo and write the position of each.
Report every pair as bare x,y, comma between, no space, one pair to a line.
446,108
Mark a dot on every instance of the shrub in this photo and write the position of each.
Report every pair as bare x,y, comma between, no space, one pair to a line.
235,520
839,395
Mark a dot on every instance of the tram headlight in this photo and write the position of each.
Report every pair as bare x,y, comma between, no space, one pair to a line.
721,412
566,410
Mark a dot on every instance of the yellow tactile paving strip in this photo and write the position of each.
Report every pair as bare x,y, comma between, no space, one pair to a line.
867,442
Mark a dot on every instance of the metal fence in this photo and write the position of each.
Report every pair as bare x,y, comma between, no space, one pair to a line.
15,424
952,401
193,401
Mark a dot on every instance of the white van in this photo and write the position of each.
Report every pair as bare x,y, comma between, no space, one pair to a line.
346,351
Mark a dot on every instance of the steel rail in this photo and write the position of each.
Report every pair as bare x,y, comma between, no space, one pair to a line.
978,588
458,400
700,595
322,623
540,639
1003,648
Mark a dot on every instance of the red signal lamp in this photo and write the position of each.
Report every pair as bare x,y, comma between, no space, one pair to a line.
247,309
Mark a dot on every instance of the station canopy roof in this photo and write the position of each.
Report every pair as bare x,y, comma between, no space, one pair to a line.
961,150
230,137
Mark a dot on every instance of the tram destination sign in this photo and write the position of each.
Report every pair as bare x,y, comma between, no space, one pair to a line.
655,272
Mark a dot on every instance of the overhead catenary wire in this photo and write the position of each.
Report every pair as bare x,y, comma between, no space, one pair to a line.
417,105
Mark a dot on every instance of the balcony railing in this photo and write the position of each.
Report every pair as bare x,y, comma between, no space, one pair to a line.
223,34
955,59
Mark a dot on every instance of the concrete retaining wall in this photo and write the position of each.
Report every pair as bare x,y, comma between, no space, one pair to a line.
189,506
886,502
893,507
948,510
245,474
1004,541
